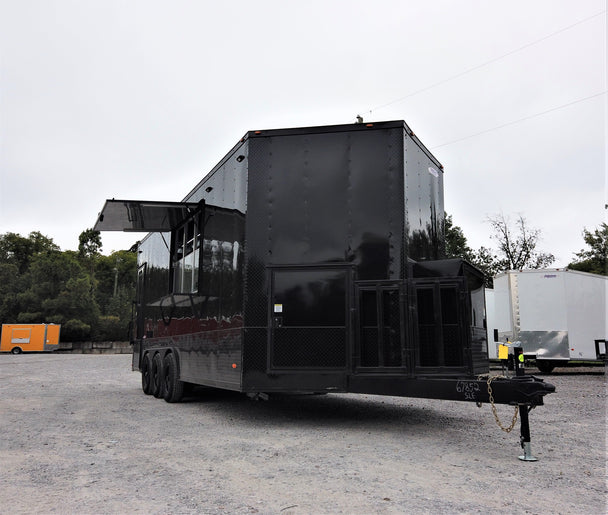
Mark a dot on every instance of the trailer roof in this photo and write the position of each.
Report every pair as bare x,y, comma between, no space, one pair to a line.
320,129
550,271
323,129
142,215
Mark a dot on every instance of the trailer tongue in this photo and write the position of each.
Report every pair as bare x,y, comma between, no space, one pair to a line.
312,260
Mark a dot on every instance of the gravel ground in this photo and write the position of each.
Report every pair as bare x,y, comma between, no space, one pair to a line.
81,437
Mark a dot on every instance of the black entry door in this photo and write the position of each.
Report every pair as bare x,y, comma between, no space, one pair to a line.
309,318
137,315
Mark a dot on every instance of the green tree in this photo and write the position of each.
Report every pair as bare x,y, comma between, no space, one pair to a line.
74,302
40,283
111,328
487,261
49,274
75,330
456,246
57,289
455,241
89,243
594,259
116,275
19,251
9,288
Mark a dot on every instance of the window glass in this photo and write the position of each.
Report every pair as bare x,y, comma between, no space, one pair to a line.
310,298
186,258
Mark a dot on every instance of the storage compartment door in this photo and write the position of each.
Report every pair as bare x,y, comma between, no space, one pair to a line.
441,324
381,328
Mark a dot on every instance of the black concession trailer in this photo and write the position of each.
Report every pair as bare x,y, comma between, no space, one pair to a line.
312,260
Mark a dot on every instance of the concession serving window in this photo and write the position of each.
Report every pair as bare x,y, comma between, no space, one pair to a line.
181,219
144,216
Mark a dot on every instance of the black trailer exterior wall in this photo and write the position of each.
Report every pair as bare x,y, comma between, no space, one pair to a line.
310,259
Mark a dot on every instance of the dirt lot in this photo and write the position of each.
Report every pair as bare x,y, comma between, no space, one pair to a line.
79,436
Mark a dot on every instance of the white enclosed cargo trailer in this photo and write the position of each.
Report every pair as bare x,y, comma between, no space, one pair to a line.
558,315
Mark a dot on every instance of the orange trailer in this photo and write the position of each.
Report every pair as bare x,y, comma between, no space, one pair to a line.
17,338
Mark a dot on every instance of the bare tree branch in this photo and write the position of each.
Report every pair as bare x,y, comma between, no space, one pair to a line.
517,247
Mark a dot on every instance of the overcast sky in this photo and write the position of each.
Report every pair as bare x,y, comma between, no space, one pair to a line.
140,99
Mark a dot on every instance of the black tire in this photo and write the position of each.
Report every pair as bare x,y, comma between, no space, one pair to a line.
16,350
546,366
173,387
157,376
146,374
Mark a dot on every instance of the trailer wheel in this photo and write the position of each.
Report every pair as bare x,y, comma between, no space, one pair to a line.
546,366
174,388
16,350
157,376
146,374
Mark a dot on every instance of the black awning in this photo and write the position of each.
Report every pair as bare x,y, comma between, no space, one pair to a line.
142,215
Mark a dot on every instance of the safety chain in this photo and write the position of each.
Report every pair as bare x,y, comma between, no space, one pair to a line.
495,412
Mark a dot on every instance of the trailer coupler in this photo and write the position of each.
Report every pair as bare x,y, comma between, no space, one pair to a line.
528,390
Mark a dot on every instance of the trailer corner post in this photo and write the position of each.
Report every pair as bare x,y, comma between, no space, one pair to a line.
525,434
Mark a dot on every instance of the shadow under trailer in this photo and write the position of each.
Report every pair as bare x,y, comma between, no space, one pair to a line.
312,260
